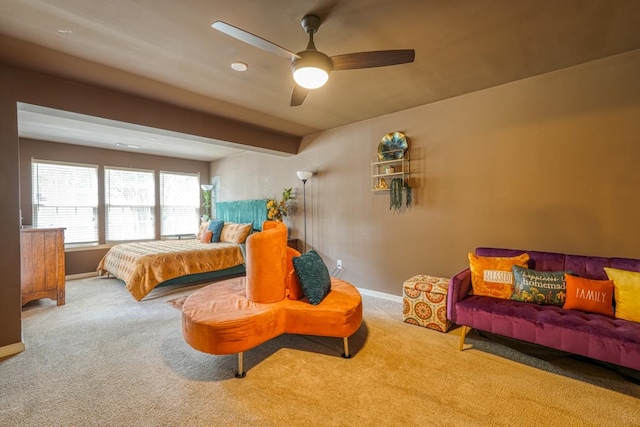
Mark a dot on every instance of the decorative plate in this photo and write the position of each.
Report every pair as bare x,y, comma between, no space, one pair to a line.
392,146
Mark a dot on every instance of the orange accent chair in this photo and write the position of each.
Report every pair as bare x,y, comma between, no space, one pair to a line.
238,314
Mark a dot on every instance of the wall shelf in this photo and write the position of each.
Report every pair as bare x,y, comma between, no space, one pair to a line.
383,171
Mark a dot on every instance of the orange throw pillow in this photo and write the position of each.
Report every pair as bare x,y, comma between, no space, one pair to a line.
294,289
206,236
493,276
204,225
594,296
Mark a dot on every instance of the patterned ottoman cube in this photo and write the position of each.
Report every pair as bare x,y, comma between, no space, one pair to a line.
425,302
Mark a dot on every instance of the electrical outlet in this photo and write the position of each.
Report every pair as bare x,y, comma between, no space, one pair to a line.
339,263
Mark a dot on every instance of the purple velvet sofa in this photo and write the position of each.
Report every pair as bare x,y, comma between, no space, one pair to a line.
592,335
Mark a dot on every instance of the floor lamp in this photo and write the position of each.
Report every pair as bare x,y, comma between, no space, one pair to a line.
304,176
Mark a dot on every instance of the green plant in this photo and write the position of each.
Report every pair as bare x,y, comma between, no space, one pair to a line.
206,204
395,194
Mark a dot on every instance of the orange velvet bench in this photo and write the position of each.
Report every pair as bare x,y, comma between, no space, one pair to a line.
238,314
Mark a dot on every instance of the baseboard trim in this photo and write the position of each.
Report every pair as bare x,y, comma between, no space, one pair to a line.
383,295
81,275
11,349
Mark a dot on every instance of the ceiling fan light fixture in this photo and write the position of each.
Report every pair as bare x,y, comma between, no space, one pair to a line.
312,69
310,77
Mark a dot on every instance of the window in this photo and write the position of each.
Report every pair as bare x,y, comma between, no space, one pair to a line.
129,204
66,195
179,203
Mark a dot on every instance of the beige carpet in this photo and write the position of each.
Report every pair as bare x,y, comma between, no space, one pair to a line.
105,359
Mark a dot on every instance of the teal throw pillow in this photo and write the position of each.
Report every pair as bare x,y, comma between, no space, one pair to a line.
313,275
215,226
540,287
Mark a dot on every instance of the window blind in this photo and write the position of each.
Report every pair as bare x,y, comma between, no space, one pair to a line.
66,195
179,203
129,204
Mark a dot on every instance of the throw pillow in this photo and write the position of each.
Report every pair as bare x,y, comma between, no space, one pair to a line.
594,296
626,292
216,227
203,227
235,233
313,275
294,290
493,276
540,287
206,236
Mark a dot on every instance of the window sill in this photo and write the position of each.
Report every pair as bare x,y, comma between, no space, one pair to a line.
78,247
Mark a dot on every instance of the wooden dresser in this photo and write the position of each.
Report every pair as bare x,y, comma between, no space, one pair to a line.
42,264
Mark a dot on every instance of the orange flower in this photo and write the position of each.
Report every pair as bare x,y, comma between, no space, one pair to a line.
278,209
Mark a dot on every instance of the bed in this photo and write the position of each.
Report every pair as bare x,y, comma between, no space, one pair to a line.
143,266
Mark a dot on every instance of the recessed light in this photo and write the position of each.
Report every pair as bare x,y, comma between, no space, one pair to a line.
65,31
239,66
121,144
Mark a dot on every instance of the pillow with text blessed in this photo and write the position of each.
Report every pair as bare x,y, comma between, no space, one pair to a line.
493,276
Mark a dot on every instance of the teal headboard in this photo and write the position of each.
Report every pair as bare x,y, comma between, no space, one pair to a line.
243,211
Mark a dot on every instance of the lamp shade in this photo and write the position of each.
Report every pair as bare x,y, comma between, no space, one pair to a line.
206,187
312,69
310,77
304,175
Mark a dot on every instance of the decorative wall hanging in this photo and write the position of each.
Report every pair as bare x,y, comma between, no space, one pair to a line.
390,170
395,194
392,146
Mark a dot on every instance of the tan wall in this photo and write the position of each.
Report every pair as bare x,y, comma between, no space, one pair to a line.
10,322
548,163
83,262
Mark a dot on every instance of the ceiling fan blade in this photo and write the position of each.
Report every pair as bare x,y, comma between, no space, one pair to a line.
378,58
298,95
253,40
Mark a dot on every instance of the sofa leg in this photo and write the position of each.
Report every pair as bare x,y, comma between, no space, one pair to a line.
346,354
463,334
241,373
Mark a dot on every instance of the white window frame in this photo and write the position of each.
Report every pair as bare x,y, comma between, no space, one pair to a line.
57,203
179,205
127,219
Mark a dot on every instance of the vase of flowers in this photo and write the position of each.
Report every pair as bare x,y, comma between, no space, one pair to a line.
278,209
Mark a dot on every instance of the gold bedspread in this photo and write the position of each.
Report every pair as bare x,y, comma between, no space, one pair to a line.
143,265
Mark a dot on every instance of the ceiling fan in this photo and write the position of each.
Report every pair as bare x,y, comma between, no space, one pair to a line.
311,67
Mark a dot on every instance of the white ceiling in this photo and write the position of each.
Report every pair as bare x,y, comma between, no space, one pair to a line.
166,50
